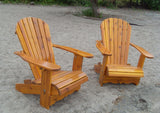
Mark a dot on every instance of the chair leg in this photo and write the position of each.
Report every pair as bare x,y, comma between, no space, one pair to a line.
97,67
102,70
137,82
45,89
78,88
101,81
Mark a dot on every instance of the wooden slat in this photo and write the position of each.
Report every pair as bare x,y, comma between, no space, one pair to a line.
56,81
28,48
123,74
23,31
61,75
123,42
21,39
110,21
119,39
66,80
29,37
71,80
39,37
55,74
40,22
103,33
124,71
48,38
34,36
35,44
107,36
127,43
70,87
115,41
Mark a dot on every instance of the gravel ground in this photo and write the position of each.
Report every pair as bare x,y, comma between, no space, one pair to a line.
69,30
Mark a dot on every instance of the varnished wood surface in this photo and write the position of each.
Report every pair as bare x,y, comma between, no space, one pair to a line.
115,44
50,82
75,51
124,71
35,39
142,51
40,63
103,49
115,38
66,80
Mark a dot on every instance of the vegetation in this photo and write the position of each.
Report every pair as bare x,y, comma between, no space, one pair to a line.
148,4
151,4
94,4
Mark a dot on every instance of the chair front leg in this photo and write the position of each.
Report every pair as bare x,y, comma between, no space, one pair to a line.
141,61
103,68
77,63
45,88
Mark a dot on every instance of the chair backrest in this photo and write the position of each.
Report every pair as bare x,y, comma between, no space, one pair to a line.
116,38
35,40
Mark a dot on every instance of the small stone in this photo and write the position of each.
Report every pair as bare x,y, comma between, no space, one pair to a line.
157,85
117,100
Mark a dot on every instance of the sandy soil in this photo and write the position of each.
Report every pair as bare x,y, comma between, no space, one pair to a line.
80,33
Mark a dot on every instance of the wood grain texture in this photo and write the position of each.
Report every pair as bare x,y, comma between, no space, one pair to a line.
65,81
45,88
34,35
50,82
77,63
102,49
115,48
40,63
142,51
75,51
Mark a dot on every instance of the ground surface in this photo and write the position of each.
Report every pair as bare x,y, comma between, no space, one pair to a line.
80,33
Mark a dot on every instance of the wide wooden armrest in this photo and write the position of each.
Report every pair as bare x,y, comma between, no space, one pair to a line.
102,49
142,51
40,63
75,51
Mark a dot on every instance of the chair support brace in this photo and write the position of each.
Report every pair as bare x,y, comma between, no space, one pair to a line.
77,63
141,61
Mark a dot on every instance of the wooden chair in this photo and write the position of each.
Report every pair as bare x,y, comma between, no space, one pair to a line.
50,82
114,47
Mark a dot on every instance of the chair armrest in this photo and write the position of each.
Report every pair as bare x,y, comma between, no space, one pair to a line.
40,63
102,49
75,51
142,51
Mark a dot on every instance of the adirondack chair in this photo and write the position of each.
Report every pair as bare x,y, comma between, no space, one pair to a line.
50,82
114,47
